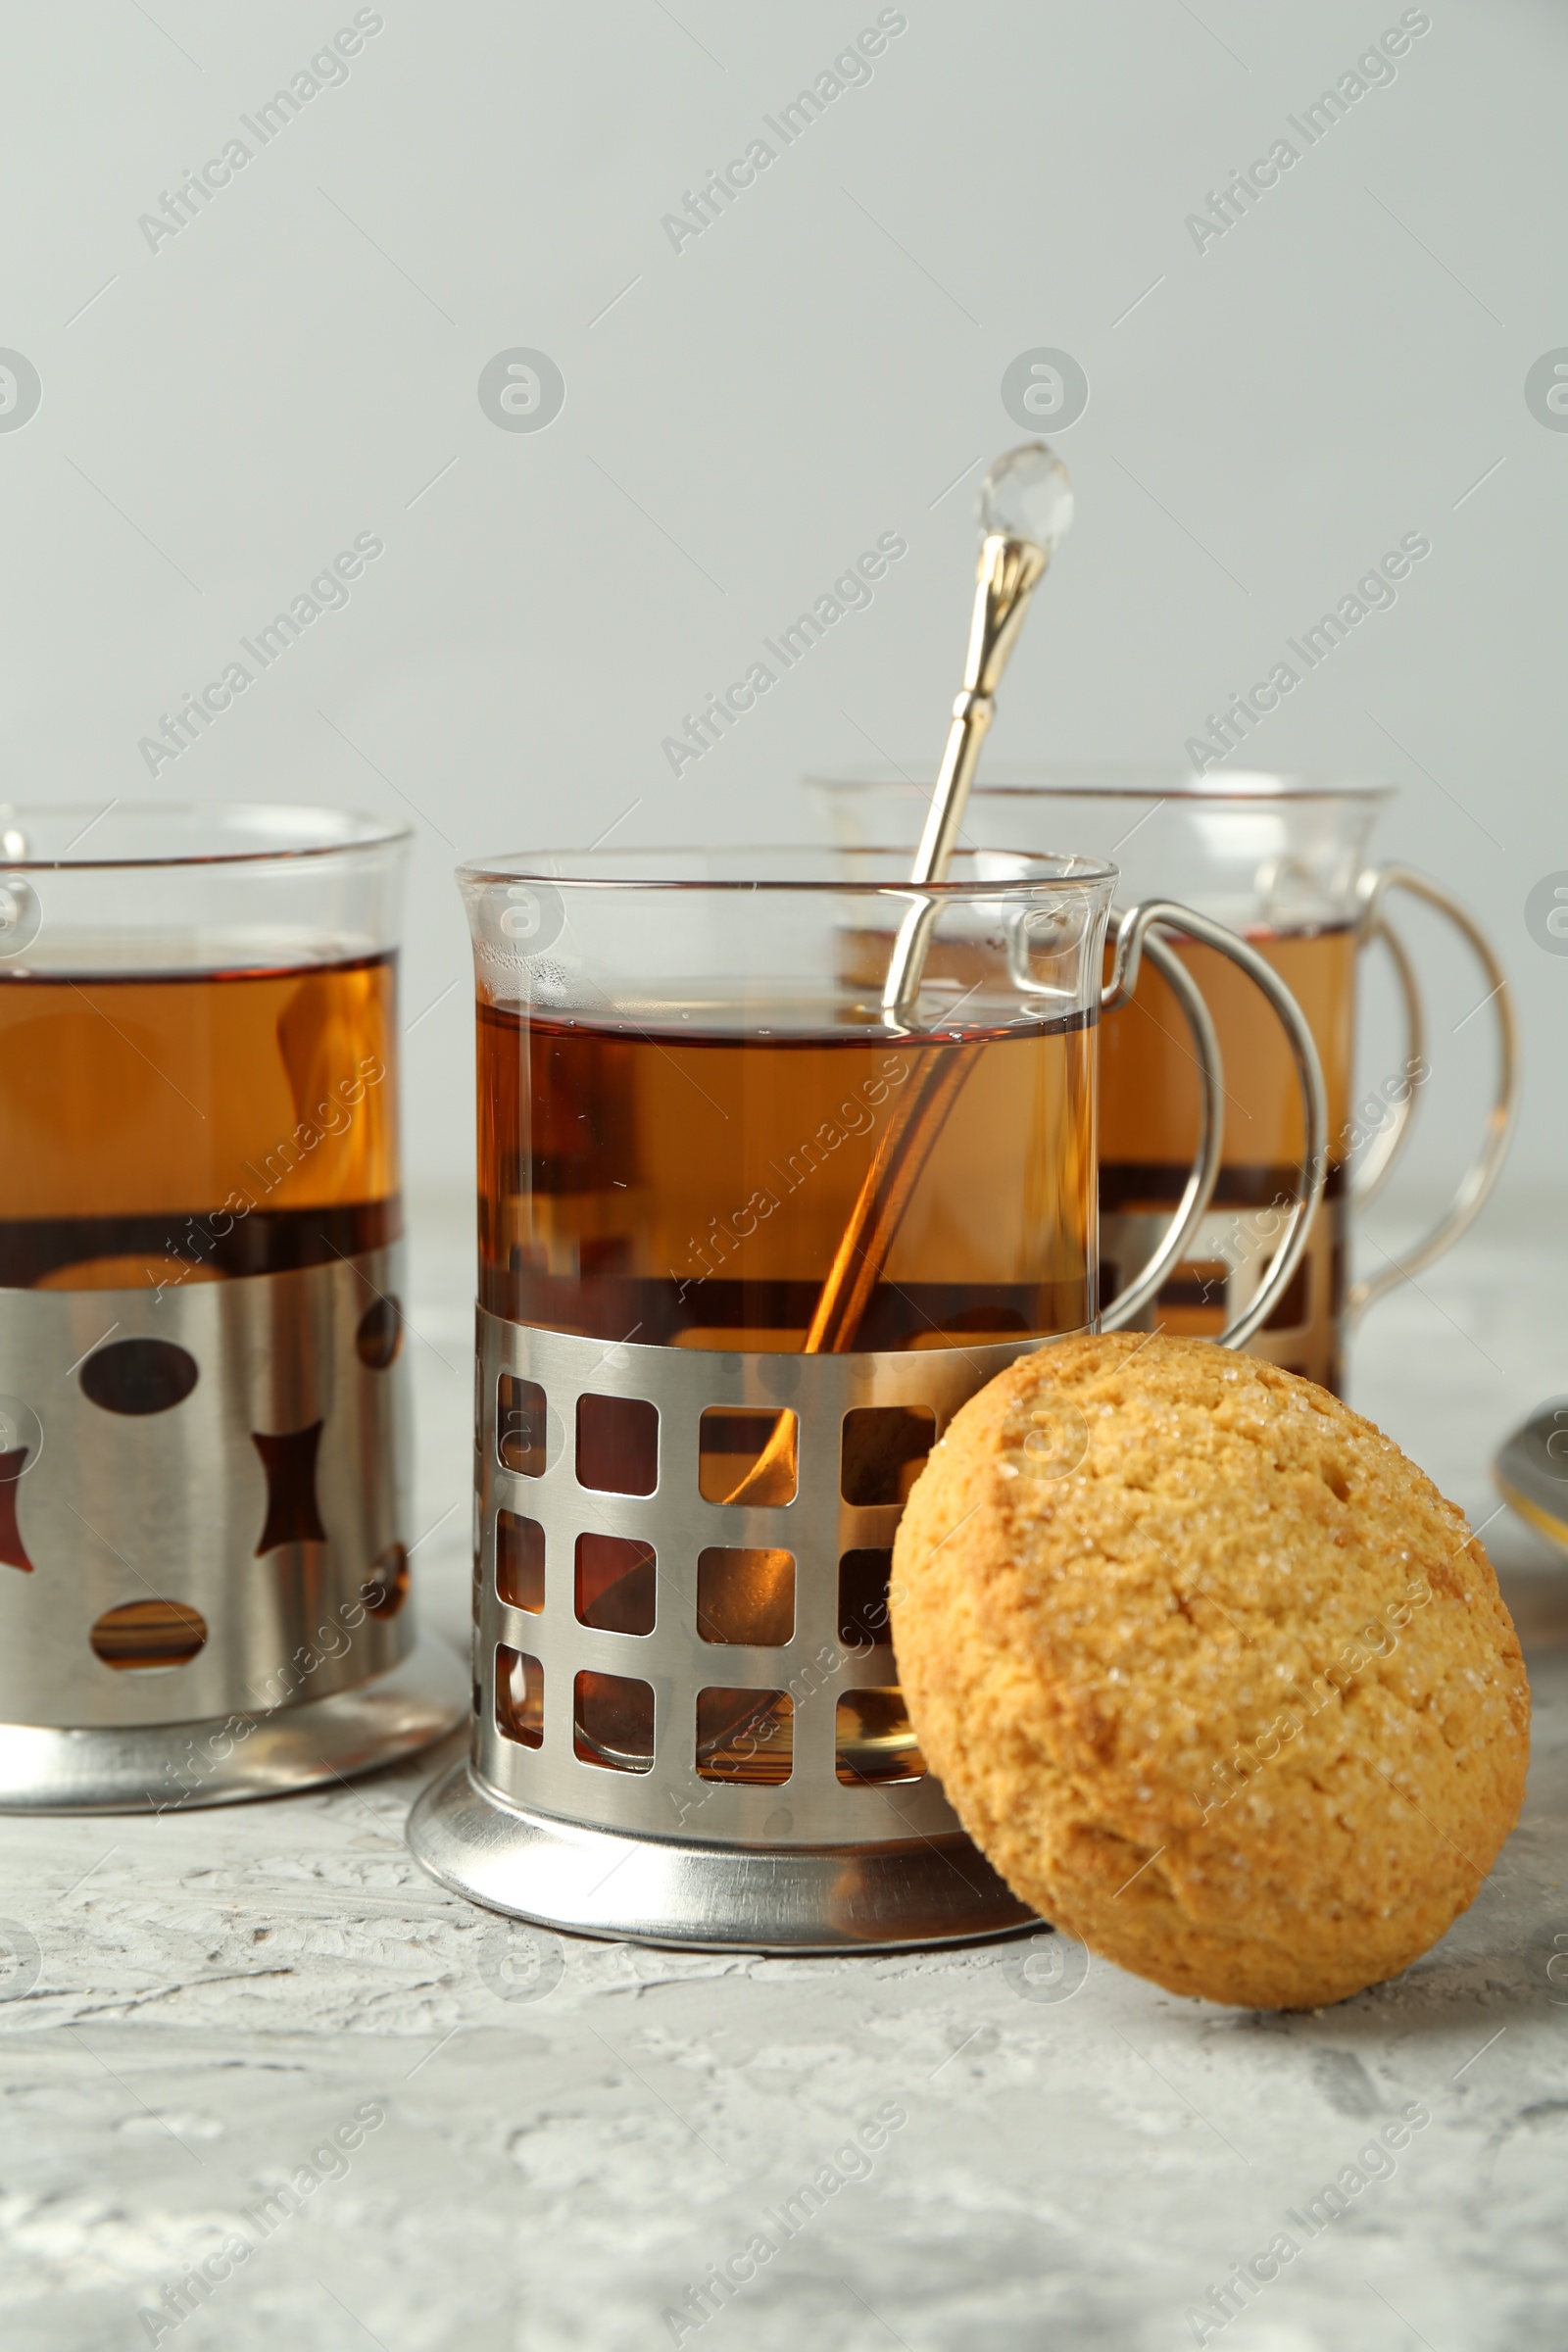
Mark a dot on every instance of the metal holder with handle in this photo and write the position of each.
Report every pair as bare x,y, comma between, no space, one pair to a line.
1479,1178
1136,936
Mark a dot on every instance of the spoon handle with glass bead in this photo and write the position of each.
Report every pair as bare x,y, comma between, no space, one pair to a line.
1025,511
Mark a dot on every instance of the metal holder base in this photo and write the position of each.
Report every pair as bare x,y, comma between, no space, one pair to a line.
171,1767
641,1890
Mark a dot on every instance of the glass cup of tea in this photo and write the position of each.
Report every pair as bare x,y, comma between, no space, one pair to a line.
1284,860
747,1242
204,1501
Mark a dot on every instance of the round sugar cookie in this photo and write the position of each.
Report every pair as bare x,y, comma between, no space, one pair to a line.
1208,1669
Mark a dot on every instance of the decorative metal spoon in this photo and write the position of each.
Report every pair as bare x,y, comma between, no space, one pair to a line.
1026,509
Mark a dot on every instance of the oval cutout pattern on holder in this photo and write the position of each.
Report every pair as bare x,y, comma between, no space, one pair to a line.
386,1588
148,1635
138,1376
379,1337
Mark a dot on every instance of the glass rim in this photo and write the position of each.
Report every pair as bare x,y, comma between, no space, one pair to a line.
1124,780
1040,870
355,829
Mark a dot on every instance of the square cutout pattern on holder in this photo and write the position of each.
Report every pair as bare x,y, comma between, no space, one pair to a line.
617,1583
748,1446
613,1722
746,1595
884,1450
520,1562
863,1579
875,1740
745,1736
520,1697
617,1444
520,1417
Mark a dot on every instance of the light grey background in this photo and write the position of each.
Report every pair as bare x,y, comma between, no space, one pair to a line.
296,367
300,364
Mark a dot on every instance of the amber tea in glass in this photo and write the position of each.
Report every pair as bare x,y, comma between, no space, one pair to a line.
690,1183
166,1126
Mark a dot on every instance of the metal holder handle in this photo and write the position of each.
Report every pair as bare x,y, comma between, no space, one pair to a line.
1134,937
1378,1164
1479,1178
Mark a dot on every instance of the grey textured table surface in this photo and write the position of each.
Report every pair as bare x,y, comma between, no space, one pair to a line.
220,1990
